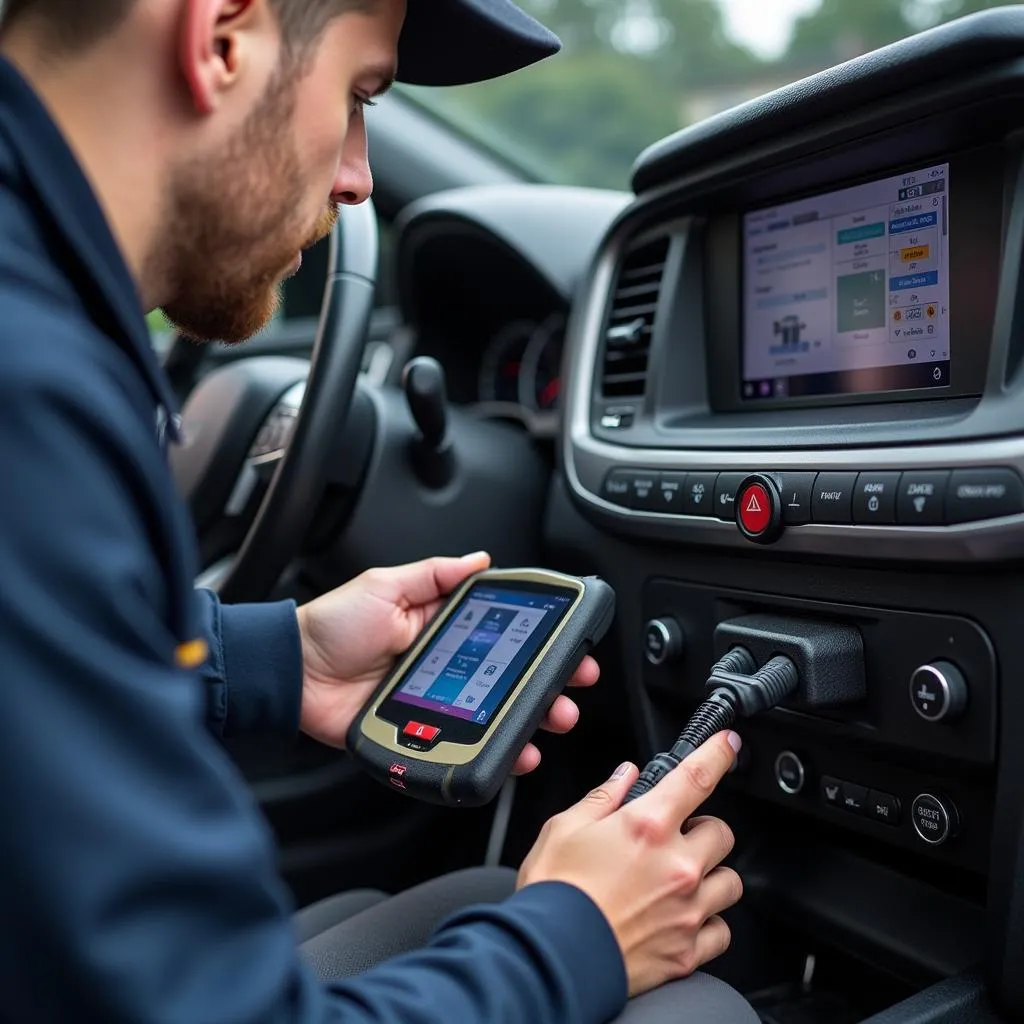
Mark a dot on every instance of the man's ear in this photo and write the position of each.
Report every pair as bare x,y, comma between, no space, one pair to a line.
211,45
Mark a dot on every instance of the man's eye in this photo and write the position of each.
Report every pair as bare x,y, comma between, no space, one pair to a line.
361,103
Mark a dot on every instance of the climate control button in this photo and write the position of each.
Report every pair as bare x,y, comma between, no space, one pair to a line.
922,498
644,492
670,490
663,641
874,498
789,773
938,692
796,490
983,494
618,487
833,497
726,489
699,494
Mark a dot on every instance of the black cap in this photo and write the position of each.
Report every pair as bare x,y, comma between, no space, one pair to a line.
454,42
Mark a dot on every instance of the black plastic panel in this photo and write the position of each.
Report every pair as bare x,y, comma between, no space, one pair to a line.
899,923
963,999
895,642
879,745
990,794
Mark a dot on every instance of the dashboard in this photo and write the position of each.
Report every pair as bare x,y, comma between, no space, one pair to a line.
785,378
793,393
783,384
486,279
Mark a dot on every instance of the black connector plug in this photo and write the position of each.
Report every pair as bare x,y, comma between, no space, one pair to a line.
759,691
737,688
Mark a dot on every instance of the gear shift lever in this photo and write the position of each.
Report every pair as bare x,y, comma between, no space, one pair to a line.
432,454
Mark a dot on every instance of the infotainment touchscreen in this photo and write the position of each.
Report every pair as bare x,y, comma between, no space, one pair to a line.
848,292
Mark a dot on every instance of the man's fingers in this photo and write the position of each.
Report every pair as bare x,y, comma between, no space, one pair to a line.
562,716
709,841
420,583
450,572
608,797
712,941
692,781
587,674
527,761
722,889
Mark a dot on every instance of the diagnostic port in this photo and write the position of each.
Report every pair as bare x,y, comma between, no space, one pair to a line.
829,657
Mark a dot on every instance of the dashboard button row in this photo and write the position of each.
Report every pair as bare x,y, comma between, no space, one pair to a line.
868,803
910,498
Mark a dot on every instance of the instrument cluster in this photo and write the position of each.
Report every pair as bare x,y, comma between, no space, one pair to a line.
521,365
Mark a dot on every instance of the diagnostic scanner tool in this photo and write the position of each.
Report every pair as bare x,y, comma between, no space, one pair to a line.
448,723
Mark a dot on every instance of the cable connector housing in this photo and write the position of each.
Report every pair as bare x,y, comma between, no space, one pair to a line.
759,691
737,689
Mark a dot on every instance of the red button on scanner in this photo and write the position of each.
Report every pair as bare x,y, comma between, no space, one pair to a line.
420,732
758,509
755,509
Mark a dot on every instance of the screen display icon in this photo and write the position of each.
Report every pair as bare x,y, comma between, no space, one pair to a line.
471,665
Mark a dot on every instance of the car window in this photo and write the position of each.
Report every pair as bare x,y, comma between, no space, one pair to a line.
633,71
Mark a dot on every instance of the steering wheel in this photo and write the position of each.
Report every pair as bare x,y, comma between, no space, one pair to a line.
312,424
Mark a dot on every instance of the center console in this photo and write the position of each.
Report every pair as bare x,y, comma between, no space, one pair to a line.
796,392
850,340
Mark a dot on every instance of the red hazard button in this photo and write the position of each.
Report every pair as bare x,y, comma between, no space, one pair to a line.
755,509
758,512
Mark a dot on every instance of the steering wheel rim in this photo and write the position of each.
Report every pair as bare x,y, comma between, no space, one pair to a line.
287,509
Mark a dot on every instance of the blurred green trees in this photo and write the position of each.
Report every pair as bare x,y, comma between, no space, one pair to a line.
632,71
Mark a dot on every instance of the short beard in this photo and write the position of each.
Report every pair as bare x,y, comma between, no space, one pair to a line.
232,226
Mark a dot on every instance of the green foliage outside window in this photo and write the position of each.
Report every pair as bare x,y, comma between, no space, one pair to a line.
634,71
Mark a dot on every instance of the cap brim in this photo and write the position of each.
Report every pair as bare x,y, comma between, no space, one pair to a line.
455,42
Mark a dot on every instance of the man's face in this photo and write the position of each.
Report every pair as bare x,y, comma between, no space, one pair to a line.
238,218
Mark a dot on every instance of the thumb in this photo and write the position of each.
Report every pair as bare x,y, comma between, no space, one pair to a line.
450,572
426,581
606,798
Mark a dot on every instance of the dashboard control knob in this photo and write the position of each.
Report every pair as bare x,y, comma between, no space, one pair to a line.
789,773
938,692
663,641
935,818
759,509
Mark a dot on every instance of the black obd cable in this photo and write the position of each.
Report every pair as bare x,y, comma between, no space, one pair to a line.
737,688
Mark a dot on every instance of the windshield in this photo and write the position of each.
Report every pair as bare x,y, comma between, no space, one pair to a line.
634,71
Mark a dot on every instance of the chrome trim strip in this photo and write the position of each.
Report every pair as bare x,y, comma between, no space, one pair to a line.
587,459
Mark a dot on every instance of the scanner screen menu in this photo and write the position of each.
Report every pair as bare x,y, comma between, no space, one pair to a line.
481,652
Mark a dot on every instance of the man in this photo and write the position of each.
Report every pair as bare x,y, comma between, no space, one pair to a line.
180,154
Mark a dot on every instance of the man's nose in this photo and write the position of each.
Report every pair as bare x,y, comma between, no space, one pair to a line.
354,182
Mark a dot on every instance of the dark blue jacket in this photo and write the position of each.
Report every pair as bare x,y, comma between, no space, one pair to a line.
137,878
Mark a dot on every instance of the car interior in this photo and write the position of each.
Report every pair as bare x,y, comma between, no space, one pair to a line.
771,389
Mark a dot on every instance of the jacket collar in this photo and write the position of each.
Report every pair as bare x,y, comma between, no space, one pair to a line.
67,202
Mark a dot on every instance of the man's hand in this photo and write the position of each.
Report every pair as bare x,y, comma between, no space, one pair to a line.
351,637
660,886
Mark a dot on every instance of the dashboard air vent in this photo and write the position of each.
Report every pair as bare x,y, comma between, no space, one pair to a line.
627,342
